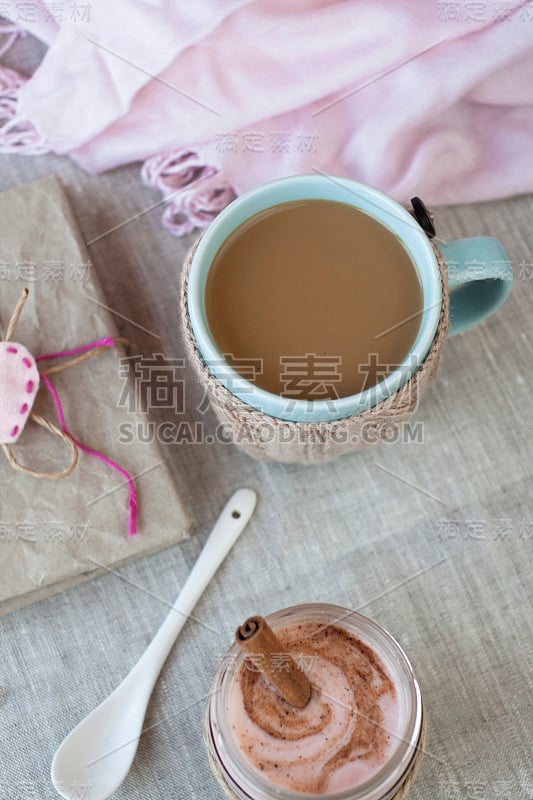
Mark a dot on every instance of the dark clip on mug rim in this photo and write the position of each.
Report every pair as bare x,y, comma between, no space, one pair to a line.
423,217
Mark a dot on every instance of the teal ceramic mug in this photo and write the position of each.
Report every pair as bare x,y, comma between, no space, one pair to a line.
479,277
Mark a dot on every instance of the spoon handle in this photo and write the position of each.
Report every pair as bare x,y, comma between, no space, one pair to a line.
230,524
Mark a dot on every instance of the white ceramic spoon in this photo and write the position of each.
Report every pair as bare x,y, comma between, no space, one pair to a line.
97,755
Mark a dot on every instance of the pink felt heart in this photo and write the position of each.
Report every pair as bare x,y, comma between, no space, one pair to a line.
19,382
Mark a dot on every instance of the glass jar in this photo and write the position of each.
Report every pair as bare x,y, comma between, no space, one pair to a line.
241,780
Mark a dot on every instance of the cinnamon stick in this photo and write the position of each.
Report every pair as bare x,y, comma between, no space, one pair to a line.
256,638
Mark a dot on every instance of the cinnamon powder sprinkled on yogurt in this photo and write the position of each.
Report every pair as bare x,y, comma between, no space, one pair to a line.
341,736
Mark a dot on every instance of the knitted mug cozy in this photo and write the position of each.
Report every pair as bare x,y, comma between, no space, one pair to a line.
268,438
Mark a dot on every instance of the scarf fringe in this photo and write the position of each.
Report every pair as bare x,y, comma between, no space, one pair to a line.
11,32
17,135
194,192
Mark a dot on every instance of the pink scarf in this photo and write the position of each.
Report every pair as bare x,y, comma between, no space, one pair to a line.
411,96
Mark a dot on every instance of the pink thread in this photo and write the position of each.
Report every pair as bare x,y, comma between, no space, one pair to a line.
26,362
24,408
108,341
14,431
29,387
11,349
132,502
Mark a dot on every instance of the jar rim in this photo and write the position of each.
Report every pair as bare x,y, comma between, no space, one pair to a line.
247,781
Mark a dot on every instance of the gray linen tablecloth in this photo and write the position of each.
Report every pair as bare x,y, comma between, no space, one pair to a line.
433,540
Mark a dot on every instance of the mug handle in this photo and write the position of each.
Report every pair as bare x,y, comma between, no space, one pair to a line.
480,278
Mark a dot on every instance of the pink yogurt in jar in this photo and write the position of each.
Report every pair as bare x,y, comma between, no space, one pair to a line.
356,738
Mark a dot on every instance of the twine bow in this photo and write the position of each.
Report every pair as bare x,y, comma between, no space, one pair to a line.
19,382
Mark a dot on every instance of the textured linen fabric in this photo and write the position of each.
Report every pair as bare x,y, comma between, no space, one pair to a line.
432,540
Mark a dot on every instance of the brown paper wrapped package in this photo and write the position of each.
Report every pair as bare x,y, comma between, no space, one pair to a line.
54,534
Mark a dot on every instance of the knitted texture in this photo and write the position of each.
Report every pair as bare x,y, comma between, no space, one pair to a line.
268,438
